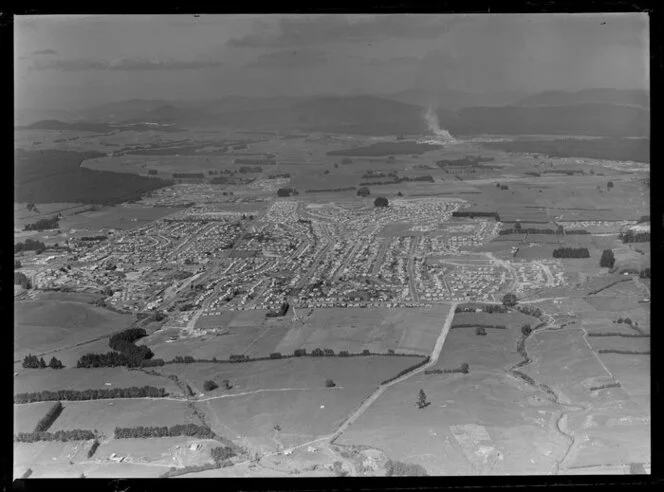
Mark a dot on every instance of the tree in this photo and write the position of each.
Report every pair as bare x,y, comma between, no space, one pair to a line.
363,191
399,194
330,384
509,300
381,202
422,399
480,331
517,226
55,363
526,330
210,385
465,368
609,185
607,260
42,363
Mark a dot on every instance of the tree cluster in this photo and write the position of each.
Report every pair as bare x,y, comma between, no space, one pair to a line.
125,353
529,310
91,394
222,453
190,430
472,214
283,192
47,420
608,260
329,190
43,224
645,273
61,435
635,237
31,362
21,279
29,245
424,361
381,201
363,191
210,385
567,252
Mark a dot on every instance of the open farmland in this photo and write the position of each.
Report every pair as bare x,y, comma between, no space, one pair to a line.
34,380
106,415
44,325
289,393
358,329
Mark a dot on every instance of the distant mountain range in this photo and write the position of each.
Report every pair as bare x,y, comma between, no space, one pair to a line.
600,112
608,96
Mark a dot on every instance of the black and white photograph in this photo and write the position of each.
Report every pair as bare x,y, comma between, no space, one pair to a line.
331,245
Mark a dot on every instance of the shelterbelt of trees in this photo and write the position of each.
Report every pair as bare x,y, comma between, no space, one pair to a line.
91,394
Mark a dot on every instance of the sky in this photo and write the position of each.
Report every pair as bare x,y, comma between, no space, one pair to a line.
71,62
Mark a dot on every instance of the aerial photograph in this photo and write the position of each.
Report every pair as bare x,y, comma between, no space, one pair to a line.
331,245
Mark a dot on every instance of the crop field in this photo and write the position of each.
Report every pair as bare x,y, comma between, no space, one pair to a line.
46,325
33,380
120,217
106,415
356,329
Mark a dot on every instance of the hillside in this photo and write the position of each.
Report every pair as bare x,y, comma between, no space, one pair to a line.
608,96
454,100
76,127
594,119
616,149
55,176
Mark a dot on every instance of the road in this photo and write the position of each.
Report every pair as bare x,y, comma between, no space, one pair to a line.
438,347
411,269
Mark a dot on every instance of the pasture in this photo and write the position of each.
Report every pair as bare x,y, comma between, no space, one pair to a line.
45,325
105,415
479,423
355,329
33,380
290,393
120,217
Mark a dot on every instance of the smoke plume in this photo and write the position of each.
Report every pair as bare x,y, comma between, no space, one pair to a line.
434,127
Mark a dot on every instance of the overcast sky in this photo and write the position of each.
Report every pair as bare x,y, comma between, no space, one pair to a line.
74,61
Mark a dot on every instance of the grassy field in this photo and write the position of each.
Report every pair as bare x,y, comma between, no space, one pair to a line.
27,416
119,217
32,380
48,324
293,395
405,330
106,415
480,423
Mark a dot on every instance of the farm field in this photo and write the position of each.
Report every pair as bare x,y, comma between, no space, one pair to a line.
44,325
290,393
120,217
105,415
27,416
479,423
33,380
406,330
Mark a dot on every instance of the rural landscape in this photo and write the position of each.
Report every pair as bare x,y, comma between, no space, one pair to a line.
396,283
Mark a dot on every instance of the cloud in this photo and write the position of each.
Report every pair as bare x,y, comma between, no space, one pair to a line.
290,59
123,64
338,28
